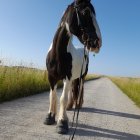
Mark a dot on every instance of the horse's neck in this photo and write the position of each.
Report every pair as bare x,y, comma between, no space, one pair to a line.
61,41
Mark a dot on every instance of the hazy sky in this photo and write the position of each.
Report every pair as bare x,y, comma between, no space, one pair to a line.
27,28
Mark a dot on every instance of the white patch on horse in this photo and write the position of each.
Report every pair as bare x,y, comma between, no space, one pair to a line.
50,47
61,24
97,29
77,60
67,28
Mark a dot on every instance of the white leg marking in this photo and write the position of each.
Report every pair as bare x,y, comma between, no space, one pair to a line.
64,100
53,101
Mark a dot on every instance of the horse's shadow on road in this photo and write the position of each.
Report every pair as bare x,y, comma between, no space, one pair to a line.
91,131
107,112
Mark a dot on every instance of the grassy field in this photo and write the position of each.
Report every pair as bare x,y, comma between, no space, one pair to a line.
130,86
22,81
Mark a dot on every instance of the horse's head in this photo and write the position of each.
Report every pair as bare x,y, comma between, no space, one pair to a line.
81,21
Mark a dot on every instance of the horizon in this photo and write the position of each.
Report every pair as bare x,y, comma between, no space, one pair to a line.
36,68
27,29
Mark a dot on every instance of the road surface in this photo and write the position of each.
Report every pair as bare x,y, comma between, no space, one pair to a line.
107,114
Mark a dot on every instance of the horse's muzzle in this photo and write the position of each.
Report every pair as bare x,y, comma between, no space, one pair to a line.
90,43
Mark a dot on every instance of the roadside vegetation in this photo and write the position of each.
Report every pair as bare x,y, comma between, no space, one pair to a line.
92,77
130,86
21,81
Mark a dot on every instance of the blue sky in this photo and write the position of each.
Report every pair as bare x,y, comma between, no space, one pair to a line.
27,28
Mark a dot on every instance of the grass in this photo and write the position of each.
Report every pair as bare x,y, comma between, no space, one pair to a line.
20,81
130,86
92,77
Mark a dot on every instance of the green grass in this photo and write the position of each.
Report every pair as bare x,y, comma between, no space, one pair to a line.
130,86
20,81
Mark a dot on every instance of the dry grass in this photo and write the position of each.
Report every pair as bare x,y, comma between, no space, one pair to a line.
92,77
22,81
130,86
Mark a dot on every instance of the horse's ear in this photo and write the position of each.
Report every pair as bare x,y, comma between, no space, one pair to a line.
81,1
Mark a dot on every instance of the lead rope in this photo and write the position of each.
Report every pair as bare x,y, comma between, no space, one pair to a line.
78,109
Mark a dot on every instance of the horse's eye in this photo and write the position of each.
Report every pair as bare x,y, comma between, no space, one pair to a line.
86,12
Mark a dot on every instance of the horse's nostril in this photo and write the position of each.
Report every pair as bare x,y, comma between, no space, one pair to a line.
96,42
85,37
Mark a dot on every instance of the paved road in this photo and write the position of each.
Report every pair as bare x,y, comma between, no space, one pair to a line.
107,114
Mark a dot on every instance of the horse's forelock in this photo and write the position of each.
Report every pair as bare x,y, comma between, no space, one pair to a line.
81,1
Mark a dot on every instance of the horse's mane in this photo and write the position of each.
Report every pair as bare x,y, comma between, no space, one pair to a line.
63,19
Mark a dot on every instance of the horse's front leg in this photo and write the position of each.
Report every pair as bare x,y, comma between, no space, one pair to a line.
62,124
50,119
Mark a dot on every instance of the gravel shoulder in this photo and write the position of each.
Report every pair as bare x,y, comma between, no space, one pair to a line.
107,113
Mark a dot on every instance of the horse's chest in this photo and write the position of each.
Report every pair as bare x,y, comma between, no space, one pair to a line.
77,62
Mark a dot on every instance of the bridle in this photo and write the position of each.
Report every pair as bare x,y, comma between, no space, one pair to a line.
77,7
77,14
85,35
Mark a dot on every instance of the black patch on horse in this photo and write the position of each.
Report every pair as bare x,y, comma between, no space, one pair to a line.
59,62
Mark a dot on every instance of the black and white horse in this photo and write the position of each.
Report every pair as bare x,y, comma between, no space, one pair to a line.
64,61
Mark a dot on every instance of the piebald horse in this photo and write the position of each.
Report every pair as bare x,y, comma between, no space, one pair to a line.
64,61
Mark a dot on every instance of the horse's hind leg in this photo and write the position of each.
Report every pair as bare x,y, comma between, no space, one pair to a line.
50,119
80,100
75,89
70,99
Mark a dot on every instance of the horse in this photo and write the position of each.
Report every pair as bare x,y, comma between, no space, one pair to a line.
64,61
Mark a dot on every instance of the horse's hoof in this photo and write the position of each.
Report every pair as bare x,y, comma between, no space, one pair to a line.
50,119
62,127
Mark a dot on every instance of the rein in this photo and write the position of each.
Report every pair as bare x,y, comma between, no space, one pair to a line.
77,110
80,96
